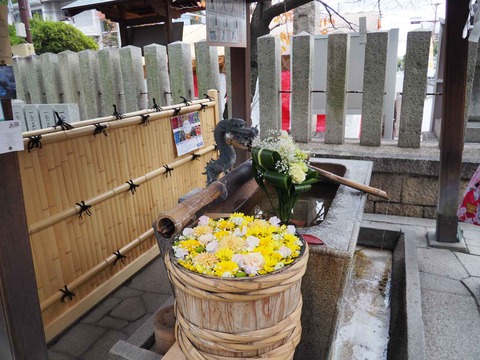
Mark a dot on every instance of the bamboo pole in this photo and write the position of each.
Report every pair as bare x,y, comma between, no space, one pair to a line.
44,305
328,175
105,119
350,183
74,210
88,130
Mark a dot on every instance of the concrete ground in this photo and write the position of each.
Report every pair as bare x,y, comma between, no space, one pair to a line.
450,293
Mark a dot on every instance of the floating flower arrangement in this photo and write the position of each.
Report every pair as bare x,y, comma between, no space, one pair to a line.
237,246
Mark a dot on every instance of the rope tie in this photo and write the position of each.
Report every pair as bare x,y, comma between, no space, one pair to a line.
66,293
119,257
62,123
155,106
133,187
84,208
203,107
208,97
195,157
145,120
168,170
186,101
35,142
100,129
176,111
117,115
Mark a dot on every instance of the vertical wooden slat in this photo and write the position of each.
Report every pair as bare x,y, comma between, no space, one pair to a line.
451,138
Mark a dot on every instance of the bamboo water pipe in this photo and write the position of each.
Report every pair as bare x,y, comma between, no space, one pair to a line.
56,218
63,135
350,183
82,279
327,175
171,222
110,118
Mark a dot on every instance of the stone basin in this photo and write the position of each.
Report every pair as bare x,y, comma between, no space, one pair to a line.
329,265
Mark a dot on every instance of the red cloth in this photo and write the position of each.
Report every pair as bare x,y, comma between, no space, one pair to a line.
469,209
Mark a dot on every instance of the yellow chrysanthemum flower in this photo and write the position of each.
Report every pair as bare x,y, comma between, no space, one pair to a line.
226,269
205,260
202,230
225,224
232,242
224,254
189,245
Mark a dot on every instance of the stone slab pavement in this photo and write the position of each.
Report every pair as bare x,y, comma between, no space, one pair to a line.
116,318
450,289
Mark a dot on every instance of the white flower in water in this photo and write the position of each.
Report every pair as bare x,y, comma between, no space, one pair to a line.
237,220
227,274
253,262
240,232
252,242
291,229
275,221
285,251
180,253
238,258
187,231
212,246
203,220
206,239
279,265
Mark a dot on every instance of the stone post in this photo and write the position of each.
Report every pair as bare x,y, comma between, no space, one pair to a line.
301,109
20,72
414,88
472,104
32,117
337,79
305,18
70,78
207,69
269,84
112,80
133,80
181,73
34,80
51,78
158,82
92,86
373,88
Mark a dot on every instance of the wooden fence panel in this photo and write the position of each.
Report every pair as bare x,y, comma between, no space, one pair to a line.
78,251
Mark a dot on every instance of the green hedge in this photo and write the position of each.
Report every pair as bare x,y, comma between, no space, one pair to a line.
55,37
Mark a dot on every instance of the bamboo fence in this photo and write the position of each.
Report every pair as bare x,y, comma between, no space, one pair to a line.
83,204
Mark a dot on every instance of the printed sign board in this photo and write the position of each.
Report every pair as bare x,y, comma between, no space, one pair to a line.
187,133
226,23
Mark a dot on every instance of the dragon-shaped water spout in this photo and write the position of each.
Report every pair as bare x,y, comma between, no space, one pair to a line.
235,129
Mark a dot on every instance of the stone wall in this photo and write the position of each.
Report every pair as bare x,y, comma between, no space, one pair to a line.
409,176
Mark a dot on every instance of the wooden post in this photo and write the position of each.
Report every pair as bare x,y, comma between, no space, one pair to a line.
21,328
452,130
241,94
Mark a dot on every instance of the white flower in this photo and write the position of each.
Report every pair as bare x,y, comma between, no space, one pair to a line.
253,262
279,265
238,258
237,220
180,253
275,221
285,251
291,229
297,173
240,232
227,274
206,239
203,220
187,231
252,242
212,246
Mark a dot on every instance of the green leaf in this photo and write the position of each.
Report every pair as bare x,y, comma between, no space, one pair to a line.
278,180
265,158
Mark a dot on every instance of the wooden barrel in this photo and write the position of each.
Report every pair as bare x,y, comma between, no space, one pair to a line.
228,318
